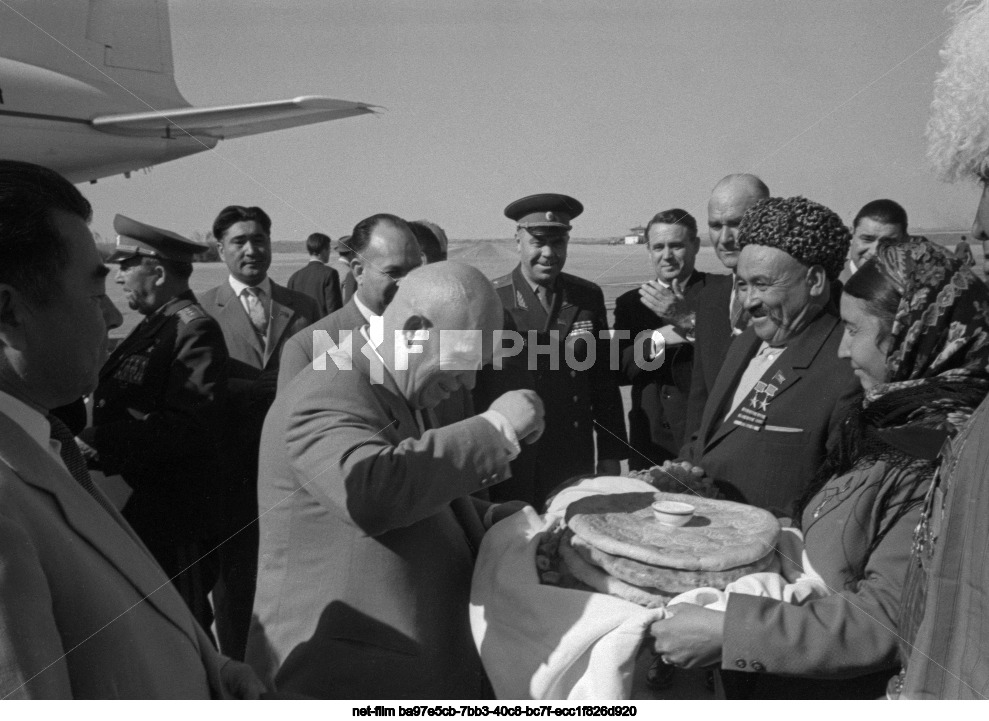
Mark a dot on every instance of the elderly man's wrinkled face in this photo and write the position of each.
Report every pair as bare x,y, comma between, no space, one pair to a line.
867,235
724,214
391,255
542,254
778,291
451,356
672,249
140,277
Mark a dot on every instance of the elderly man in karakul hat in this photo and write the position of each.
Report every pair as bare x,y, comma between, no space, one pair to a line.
782,390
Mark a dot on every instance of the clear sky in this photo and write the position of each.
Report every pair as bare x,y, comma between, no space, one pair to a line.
631,106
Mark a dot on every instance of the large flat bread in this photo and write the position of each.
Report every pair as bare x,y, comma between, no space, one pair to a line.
603,583
720,536
668,580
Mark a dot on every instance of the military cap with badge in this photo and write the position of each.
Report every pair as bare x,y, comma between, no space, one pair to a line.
137,239
544,211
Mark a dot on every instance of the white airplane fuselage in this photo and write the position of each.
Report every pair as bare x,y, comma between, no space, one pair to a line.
88,90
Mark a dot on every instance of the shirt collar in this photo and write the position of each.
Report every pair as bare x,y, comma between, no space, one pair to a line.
32,421
238,287
365,311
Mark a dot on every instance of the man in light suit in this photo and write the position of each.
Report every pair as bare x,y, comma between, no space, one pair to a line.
782,392
368,531
257,316
316,279
85,611
385,251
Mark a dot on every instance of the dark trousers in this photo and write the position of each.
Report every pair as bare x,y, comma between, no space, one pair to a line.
233,593
192,568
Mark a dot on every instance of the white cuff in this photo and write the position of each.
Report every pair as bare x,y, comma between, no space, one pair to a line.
658,345
501,424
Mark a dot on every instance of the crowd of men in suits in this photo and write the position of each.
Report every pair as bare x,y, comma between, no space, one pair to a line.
319,502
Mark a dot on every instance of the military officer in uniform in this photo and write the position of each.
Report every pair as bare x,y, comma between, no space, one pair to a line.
560,318
157,410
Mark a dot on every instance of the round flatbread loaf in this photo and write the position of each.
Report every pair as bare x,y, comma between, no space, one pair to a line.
667,580
603,583
721,535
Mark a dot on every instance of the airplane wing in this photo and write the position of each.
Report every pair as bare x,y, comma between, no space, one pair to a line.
230,121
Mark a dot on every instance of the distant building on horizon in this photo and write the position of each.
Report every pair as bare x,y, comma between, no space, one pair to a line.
637,236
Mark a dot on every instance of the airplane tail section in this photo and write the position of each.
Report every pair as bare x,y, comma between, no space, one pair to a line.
121,46
230,121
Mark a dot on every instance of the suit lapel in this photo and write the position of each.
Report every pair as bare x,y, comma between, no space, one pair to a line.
282,313
233,317
529,312
778,378
112,537
739,355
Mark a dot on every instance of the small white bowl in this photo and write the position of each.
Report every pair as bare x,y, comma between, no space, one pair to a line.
672,513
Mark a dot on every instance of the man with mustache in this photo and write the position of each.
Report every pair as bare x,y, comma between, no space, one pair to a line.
660,321
720,316
560,318
158,410
782,391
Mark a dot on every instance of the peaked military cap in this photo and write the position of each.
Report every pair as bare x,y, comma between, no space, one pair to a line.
544,210
135,238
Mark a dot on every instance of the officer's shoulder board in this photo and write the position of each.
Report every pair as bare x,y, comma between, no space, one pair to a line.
191,313
502,280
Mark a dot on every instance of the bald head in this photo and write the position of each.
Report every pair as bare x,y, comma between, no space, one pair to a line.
731,197
438,331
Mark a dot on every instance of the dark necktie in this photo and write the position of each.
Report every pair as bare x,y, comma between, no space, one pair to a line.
545,298
72,458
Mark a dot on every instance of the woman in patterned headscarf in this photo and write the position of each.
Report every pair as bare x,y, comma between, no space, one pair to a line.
917,336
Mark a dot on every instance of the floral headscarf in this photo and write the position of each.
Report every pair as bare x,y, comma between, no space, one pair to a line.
938,366
941,328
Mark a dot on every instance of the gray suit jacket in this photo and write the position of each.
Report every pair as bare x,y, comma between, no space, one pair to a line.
290,312
85,609
298,350
367,542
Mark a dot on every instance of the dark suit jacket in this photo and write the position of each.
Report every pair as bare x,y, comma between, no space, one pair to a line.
172,371
321,283
658,417
712,336
367,541
87,611
771,467
581,404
